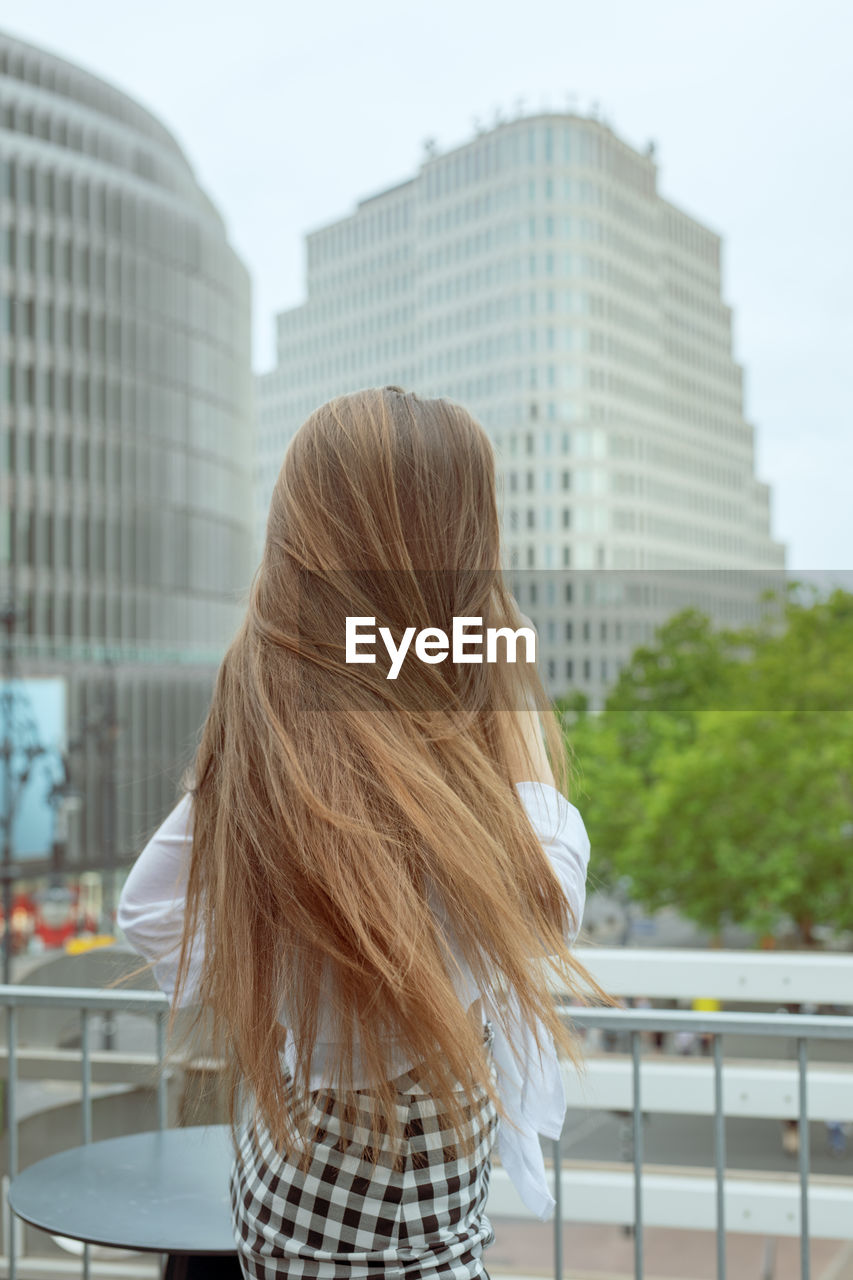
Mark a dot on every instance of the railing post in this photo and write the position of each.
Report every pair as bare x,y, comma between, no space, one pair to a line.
12,1129
558,1211
85,1075
162,1096
86,1100
768,1261
720,1155
805,1261
638,1158
161,1071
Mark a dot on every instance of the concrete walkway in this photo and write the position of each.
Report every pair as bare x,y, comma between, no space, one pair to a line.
526,1249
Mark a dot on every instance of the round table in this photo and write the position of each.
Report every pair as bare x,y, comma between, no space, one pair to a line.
163,1192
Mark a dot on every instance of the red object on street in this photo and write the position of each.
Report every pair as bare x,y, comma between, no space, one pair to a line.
51,915
23,921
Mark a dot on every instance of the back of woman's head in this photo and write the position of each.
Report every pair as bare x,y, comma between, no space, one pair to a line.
385,480
346,825
384,507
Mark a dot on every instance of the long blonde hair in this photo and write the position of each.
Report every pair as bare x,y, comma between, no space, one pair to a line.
330,803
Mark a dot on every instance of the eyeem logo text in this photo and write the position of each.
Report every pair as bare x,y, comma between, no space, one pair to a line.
434,645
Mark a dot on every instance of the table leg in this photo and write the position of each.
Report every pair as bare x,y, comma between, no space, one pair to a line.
200,1266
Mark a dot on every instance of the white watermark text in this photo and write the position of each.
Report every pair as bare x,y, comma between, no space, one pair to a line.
433,645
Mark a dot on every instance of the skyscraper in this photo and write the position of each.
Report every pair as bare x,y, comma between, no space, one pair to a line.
536,275
125,424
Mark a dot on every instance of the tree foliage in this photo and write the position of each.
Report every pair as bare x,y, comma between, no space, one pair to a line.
719,776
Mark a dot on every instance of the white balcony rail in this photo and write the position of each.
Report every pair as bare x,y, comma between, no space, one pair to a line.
716,1199
774,977
86,1001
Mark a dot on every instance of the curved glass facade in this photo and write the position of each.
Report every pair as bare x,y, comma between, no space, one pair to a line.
125,425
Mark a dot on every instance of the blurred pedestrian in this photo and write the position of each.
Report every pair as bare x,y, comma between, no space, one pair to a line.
791,1137
705,1004
653,1039
836,1137
686,1042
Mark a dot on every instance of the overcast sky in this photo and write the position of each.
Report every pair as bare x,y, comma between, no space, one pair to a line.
290,112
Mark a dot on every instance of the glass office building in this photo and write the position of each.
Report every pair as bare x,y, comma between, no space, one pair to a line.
125,430
536,275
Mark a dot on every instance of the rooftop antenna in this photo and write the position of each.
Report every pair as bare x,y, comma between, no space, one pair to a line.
430,148
478,125
651,148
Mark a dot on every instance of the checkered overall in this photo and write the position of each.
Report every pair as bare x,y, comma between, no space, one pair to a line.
344,1220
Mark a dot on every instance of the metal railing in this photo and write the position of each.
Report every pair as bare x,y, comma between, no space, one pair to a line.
636,1021
633,1022
151,1004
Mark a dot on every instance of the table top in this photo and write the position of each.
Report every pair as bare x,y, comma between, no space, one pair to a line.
165,1191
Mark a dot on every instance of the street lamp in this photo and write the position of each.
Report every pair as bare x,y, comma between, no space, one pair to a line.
64,798
104,729
20,739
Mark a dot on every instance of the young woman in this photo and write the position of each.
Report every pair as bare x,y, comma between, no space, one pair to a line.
367,879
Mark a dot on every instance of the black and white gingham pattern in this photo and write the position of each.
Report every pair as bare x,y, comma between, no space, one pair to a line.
343,1220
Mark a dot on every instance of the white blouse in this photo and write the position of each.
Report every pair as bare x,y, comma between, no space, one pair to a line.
150,914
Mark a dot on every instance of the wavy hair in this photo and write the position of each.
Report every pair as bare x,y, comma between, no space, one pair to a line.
346,825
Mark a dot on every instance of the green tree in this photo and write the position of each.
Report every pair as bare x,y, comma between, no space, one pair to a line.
688,669
719,776
608,790
652,704
750,824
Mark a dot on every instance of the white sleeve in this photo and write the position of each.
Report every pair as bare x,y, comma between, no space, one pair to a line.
152,903
560,828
